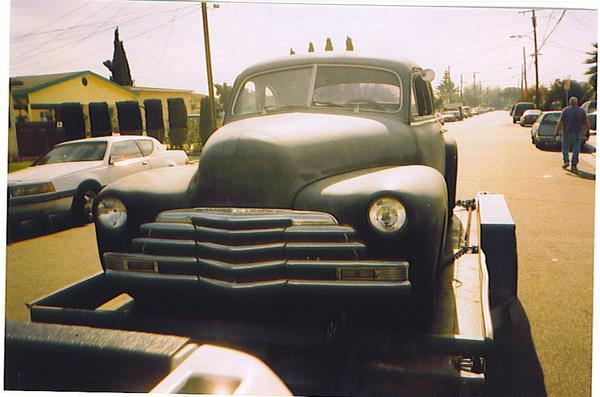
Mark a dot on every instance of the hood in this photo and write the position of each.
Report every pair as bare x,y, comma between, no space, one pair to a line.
264,161
49,172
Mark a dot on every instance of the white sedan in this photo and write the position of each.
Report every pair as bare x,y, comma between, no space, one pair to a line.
70,175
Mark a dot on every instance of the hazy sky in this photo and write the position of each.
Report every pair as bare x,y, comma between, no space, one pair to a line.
164,40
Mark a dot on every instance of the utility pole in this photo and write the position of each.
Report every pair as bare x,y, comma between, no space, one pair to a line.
524,75
535,54
537,78
474,88
211,94
522,90
461,88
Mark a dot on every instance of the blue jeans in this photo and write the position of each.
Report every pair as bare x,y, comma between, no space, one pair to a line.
572,142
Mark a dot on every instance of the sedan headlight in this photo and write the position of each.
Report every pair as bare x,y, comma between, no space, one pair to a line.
35,188
111,213
387,214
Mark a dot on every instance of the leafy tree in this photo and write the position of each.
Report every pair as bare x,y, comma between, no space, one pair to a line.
349,46
205,119
593,70
328,45
311,47
557,93
224,92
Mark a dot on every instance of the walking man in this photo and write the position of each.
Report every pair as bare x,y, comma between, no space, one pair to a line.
572,121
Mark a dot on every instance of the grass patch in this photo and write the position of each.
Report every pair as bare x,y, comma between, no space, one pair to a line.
12,167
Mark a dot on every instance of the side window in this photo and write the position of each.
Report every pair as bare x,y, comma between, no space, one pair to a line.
125,150
414,105
146,146
422,97
246,102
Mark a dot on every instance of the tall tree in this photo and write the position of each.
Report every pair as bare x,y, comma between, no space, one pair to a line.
447,89
119,66
328,45
349,46
311,47
593,70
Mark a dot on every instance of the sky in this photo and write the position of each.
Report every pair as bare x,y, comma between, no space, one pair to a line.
164,39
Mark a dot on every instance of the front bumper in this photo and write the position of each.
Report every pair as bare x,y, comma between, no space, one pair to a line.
38,206
244,255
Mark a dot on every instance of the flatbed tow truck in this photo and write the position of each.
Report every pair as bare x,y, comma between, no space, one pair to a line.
89,337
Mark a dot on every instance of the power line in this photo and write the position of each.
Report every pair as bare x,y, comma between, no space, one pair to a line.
94,52
80,38
162,52
54,21
553,29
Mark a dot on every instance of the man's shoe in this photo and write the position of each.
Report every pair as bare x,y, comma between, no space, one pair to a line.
574,169
565,165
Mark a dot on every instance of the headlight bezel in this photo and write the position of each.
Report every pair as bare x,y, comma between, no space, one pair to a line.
391,203
111,213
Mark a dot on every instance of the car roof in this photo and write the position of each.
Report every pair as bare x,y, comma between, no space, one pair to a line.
335,58
111,138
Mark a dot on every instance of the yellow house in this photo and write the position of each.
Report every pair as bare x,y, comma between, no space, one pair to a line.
38,97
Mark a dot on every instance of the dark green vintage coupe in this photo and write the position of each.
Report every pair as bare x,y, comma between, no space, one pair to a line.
330,184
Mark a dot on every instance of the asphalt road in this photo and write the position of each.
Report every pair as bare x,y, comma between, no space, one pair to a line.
552,208
554,213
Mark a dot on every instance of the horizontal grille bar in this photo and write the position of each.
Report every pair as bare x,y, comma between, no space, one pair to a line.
348,270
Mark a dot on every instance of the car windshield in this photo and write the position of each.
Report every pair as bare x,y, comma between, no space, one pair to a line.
81,151
353,87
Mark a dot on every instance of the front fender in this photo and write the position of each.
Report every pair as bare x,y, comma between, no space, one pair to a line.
421,189
144,194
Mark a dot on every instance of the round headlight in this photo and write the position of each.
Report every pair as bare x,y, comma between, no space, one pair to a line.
111,212
387,214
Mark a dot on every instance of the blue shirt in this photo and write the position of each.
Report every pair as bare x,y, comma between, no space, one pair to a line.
573,119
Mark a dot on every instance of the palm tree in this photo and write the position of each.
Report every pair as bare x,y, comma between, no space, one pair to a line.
593,70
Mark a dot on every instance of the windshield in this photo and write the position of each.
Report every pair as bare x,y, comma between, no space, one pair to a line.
82,151
353,87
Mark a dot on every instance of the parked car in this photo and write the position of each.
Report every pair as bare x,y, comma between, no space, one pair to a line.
69,176
589,106
519,109
451,115
529,117
542,131
592,119
467,111
331,181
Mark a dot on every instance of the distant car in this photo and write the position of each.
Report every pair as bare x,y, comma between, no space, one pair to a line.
467,111
69,176
592,119
451,115
529,117
589,106
542,131
519,109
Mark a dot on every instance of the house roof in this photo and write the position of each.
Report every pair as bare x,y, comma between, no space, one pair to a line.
38,82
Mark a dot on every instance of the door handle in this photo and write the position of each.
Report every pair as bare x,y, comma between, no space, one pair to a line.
144,163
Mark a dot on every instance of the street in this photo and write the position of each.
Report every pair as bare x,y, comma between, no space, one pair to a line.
552,208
